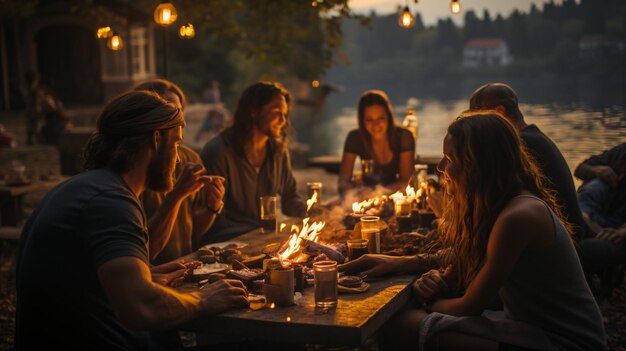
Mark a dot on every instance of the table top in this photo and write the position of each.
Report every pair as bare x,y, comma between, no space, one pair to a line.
356,317
15,190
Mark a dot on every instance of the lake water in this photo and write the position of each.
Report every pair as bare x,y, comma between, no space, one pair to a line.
578,131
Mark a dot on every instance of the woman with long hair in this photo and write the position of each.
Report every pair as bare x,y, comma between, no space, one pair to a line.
505,237
508,237
392,148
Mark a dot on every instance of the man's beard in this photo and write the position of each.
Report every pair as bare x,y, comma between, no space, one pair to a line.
161,171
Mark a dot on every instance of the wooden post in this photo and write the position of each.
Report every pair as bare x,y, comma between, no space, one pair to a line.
5,70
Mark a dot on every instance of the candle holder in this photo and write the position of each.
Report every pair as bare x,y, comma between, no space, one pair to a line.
280,288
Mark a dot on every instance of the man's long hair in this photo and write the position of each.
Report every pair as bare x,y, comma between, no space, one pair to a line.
252,101
377,97
494,167
162,86
125,126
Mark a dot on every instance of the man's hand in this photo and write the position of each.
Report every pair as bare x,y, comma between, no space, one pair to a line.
371,266
223,295
190,181
605,174
616,236
214,190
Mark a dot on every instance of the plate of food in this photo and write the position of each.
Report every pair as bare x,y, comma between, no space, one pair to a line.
204,271
228,245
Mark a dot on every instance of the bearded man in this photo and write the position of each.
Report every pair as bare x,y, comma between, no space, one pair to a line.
83,277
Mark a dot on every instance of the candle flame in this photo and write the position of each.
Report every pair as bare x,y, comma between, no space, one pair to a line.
312,201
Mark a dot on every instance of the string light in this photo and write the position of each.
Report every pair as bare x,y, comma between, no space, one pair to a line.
406,19
187,31
315,83
115,42
455,7
104,32
165,14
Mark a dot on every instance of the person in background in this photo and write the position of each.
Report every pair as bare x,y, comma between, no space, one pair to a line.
32,96
6,139
598,255
83,274
53,111
378,138
602,197
216,116
178,219
252,156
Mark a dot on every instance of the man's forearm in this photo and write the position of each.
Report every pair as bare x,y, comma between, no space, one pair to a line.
166,308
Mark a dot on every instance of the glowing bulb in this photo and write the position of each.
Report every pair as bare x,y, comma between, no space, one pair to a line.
187,31
406,19
315,83
165,14
115,42
455,7
314,4
104,32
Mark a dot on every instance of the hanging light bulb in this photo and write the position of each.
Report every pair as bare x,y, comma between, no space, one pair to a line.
115,42
315,83
406,19
165,14
187,31
455,7
104,32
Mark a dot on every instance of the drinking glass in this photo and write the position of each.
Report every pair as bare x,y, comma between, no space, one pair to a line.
357,248
325,273
367,168
403,215
268,213
370,230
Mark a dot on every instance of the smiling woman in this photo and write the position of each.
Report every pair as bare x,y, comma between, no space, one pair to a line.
391,148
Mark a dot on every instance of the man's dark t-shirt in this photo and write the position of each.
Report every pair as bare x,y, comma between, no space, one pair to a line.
555,168
80,225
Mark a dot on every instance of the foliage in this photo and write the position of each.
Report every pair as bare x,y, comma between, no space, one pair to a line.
544,43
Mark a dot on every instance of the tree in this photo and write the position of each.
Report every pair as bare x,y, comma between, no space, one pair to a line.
301,37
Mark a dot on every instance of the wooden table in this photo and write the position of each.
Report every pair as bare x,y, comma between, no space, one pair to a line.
356,318
11,199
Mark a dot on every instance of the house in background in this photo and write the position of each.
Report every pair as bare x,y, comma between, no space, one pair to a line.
60,44
479,52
